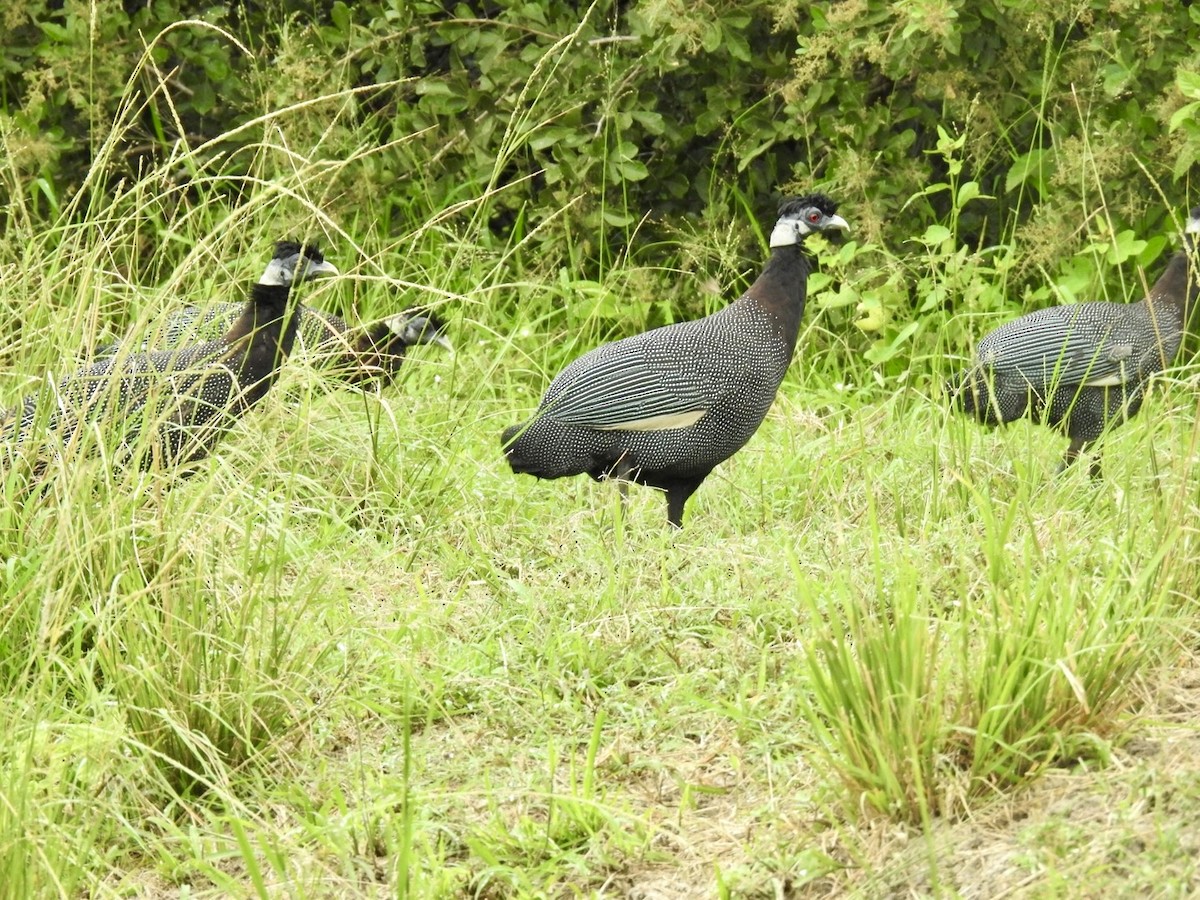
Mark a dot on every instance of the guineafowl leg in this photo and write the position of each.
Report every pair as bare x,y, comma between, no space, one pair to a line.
621,473
1071,455
1077,448
677,495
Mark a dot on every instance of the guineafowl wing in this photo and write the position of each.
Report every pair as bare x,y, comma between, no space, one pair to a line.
318,326
1087,343
665,378
208,323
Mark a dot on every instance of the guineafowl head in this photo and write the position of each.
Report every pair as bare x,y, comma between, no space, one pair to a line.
801,216
419,326
1192,227
294,262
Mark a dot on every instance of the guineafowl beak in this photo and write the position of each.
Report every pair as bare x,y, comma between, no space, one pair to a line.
442,341
837,222
320,270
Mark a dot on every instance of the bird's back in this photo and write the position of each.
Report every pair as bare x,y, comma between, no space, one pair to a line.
1078,367
211,321
129,383
681,398
1099,343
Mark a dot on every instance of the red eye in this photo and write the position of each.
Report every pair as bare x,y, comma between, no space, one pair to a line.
814,217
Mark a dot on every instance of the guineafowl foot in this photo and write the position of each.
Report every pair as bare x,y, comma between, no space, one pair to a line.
1077,449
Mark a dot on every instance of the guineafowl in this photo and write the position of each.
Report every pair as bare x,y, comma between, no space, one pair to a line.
377,350
359,355
190,395
1083,367
664,407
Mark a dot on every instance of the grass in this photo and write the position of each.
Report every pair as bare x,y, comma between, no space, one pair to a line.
354,655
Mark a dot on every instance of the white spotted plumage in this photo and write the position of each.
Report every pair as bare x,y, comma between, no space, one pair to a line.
188,396
1081,367
733,361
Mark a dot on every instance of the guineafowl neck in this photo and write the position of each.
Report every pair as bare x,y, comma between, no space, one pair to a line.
781,289
263,334
1174,293
1192,277
377,353
276,317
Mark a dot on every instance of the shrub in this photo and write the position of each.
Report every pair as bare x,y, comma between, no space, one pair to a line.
590,133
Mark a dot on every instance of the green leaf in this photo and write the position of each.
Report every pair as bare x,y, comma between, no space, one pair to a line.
817,282
1125,245
632,169
617,219
55,31
534,11
879,352
653,122
1183,115
874,315
844,296
931,189
340,15
1154,247
203,98
883,350
967,191
744,159
1188,84
433,87
548,137
735,42
935,235
1116,78
1033,166
934,298
905,333
1184,162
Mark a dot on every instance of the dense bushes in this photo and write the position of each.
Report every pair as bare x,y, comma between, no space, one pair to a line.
1047,113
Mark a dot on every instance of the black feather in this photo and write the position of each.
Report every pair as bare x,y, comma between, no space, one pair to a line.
797,205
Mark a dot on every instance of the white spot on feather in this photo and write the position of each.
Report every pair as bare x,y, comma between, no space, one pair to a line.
658,423
1107,381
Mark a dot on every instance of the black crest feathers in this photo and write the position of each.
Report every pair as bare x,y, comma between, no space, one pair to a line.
796,205
310,251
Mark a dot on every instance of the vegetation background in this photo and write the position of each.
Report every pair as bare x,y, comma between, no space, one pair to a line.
889,653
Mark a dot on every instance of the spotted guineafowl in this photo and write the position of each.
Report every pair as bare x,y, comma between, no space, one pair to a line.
190,395
359,355
664,407
1084,367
